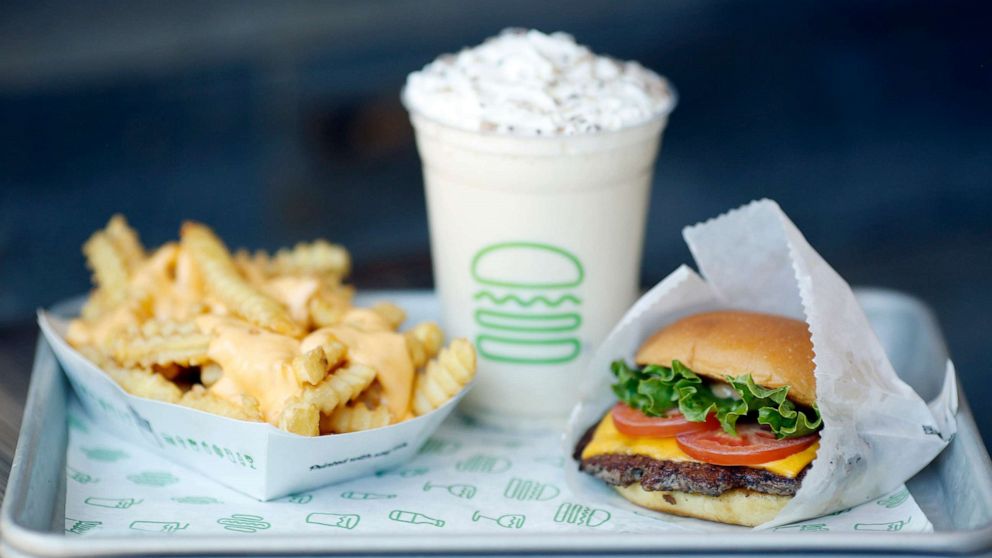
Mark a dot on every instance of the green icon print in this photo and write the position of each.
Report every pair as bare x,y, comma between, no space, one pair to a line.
578,514
153,478
79,476
517,325
509,521
466,491
890,526
438,446
158,526
115,503
340,520
80,526
105,454
524,490
894,500
76,423
481,463
804,528
244,523
198,500
300,498
415,518
354,495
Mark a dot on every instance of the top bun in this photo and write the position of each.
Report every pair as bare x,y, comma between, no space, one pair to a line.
775,351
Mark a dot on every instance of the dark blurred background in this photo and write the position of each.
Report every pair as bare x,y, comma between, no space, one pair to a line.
274,122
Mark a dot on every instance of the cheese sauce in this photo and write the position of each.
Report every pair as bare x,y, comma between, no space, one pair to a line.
607,439
373,343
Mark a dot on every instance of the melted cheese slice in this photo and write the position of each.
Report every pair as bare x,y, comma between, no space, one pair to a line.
608,439
255,362
372,342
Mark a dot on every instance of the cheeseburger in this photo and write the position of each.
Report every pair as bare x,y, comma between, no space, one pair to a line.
717,420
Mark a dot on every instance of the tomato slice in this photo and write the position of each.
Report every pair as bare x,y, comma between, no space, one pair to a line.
752,445
632,422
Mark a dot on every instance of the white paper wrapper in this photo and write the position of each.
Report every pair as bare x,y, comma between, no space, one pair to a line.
877,431
254,458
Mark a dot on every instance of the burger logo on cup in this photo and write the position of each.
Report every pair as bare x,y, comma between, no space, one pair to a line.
526,306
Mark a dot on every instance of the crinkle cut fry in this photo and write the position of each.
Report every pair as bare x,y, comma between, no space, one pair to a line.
300,417
126,240
423,341
355,418
184,349
224,282
109,269
207,401
318,257
444,376
344,385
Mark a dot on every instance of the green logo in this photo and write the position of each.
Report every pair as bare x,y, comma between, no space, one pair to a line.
804,528
480,463
894,500
466,491
115,503
509,521
80,526
80,477
524,490
353,495
105,454
339,520
415,518
890,526
577,514
517,325
244,523
158,526
153,478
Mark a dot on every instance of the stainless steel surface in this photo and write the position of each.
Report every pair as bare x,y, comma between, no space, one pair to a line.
955,490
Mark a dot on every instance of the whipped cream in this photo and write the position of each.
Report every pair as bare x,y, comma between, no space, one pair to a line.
529,83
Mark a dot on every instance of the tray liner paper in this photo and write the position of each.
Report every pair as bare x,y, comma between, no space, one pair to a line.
877,431
465,480
255,458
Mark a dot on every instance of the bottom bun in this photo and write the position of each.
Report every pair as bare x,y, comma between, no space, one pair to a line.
739,506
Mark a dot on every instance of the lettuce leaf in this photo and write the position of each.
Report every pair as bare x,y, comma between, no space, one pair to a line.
654,390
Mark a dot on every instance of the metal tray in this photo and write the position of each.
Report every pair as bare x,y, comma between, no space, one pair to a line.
955,490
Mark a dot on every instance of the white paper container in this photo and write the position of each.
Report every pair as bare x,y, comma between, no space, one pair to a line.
536,244
877,431
251,457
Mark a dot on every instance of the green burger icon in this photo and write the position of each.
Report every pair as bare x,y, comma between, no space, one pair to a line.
526,303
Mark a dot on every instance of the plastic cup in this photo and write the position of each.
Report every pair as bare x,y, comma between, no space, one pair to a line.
536,244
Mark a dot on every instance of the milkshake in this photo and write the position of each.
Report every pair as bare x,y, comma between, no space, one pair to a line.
537,157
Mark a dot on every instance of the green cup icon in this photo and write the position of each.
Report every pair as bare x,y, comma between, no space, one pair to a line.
115,503
158,526
578,514
338,520
524,490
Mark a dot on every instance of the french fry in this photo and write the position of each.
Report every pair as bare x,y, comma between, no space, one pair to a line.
339,388
204,400
392,314
315,258
184,349
210,372
423,341
225,283
444,376
313,366
109,269
125,239
355,418
300,418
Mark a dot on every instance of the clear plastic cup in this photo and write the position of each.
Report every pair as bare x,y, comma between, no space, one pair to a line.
536,244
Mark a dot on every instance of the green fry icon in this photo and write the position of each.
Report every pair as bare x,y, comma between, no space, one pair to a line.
481,463
80,526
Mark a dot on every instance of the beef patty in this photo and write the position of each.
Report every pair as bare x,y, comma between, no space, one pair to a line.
695,478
